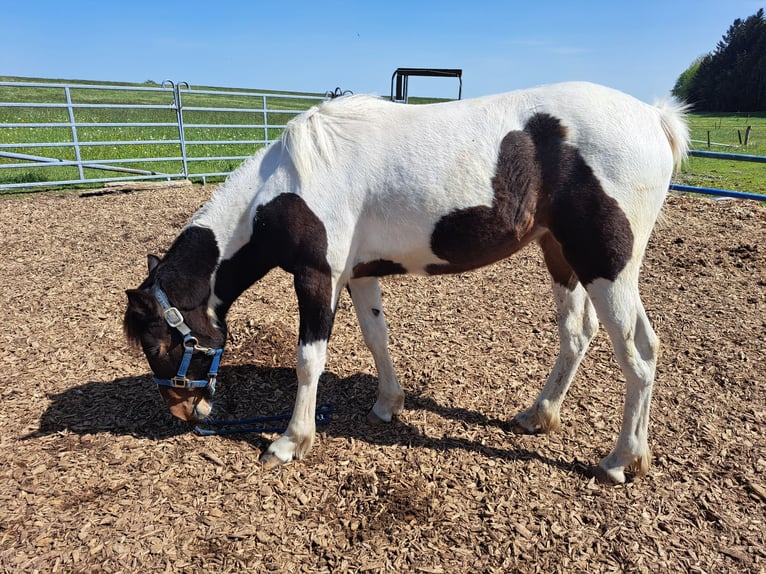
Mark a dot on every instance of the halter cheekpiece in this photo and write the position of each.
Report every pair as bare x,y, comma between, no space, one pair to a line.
175,320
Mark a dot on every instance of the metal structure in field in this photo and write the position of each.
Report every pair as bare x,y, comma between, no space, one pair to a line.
166,132
401,77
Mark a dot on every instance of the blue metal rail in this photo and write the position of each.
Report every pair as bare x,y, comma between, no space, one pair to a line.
722,192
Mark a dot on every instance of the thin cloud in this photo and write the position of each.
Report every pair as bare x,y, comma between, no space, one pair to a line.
570,50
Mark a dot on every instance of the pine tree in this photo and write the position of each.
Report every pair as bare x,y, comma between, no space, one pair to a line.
733,77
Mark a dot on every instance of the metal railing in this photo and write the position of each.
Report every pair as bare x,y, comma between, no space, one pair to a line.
722,192
56,134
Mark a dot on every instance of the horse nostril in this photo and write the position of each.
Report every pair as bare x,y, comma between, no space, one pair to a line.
201,410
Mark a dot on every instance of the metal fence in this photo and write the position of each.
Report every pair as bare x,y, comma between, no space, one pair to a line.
722,192
54,134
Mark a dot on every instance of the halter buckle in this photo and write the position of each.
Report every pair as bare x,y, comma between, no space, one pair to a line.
179,382
173,317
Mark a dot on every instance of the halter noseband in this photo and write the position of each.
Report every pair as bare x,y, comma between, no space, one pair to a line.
174,318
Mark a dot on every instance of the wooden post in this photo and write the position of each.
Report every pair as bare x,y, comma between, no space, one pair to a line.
747,135
708,139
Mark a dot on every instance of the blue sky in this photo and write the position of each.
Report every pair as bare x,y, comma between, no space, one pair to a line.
638,46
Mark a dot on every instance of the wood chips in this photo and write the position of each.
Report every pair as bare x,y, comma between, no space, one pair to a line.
97,477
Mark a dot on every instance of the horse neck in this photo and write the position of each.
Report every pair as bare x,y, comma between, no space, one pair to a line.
185,273
229,216
228,213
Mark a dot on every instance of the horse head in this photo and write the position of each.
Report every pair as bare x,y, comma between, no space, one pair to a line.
181,338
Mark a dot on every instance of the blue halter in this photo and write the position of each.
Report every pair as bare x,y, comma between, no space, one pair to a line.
174,318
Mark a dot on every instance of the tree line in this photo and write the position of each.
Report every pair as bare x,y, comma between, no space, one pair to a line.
732,78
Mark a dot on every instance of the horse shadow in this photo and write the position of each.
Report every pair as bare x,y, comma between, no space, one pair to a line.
132,406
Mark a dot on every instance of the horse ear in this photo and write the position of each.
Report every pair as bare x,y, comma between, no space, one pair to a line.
152,261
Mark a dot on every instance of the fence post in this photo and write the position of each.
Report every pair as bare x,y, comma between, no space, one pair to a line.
73,127
181,131
265,120
747,134
179,121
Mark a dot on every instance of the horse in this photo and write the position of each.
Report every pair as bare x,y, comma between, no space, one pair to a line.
359,188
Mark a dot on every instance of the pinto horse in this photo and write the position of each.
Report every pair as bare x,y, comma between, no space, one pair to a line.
359,188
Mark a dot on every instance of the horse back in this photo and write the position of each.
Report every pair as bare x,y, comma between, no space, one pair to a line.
453,186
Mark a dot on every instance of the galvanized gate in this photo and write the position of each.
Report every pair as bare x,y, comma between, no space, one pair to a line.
54,134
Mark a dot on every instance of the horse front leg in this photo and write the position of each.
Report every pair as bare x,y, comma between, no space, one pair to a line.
365,294
314,290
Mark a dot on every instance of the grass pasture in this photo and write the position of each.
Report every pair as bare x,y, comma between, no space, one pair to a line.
727,134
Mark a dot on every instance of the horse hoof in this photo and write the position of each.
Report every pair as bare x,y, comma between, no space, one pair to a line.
518,428
609,476
269,460
375,420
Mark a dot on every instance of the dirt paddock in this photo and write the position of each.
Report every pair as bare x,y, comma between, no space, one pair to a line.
97,477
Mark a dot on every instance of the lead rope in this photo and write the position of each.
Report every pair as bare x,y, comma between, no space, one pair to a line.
258,424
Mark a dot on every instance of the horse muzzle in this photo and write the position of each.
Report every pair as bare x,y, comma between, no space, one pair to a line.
189,405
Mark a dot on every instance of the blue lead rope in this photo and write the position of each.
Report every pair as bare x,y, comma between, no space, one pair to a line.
258,424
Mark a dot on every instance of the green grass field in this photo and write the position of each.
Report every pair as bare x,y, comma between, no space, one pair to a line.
238,129
729,130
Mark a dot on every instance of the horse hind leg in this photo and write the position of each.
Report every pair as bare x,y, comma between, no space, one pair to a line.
636,347
366,296
577,325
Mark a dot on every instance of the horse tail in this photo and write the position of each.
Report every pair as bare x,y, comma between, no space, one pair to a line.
676,128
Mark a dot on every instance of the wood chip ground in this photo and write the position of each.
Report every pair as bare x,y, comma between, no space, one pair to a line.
95,476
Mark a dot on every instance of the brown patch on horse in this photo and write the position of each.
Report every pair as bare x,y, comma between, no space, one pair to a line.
286,233
561,272
477,236
540,181
378,268
594,233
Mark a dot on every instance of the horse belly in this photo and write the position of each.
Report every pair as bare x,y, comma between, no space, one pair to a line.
461,240
388,248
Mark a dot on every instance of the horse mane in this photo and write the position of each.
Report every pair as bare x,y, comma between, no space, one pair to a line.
313,139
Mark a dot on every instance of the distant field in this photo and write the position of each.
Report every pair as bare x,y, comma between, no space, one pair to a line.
238,128
725,132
